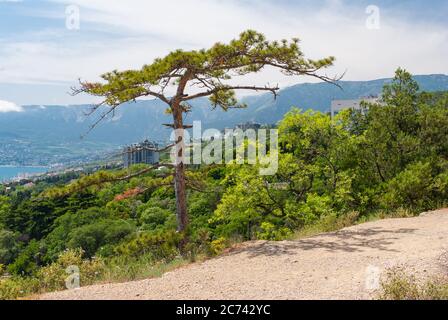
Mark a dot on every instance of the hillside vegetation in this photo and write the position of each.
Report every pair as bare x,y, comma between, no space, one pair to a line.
50,134
115,225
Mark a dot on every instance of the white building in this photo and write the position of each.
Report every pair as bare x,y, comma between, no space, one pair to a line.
145,152
338,105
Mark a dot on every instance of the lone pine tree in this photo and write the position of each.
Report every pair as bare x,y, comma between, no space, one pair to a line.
207,73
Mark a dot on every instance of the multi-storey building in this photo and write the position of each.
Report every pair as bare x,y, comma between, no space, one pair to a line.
145,152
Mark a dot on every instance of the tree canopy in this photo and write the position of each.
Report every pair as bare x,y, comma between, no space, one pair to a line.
208,72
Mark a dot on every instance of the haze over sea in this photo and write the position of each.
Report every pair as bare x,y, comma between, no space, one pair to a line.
10,172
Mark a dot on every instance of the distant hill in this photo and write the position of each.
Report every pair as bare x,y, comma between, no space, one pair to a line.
56,125
319,96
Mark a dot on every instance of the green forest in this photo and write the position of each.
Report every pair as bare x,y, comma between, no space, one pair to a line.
387,160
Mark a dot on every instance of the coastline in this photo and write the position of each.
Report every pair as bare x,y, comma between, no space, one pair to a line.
10,173
13,166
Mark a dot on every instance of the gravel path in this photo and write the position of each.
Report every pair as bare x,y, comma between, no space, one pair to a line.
338,265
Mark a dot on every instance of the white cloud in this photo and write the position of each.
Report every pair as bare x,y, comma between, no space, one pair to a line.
128,34
6,106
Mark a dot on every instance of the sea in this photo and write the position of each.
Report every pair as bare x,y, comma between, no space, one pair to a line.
8,173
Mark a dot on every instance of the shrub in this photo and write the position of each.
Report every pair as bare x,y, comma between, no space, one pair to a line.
217,246
400,285
53,277
14,288
28,261
269,231
161,245
56,242
155,217
412,188
93,236
9,246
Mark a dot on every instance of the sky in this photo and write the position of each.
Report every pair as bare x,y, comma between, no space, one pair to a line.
45,48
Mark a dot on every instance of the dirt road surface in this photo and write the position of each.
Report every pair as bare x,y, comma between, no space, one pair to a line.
339,265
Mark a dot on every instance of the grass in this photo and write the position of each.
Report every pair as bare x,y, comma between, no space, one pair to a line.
401,285
381,215
123,269
14,288
327,224
333,223
120,269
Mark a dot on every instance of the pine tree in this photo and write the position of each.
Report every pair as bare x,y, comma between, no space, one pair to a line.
207,73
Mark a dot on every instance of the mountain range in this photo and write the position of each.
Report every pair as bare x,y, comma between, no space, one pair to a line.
57,129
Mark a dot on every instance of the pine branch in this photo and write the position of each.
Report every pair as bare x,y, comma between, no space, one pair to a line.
273,90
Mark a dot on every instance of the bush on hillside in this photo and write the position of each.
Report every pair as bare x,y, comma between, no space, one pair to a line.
400,285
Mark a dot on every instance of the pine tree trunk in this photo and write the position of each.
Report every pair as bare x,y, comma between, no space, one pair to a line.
179,180
181,198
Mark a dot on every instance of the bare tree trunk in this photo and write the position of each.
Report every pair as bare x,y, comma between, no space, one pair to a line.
179,180
181,198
